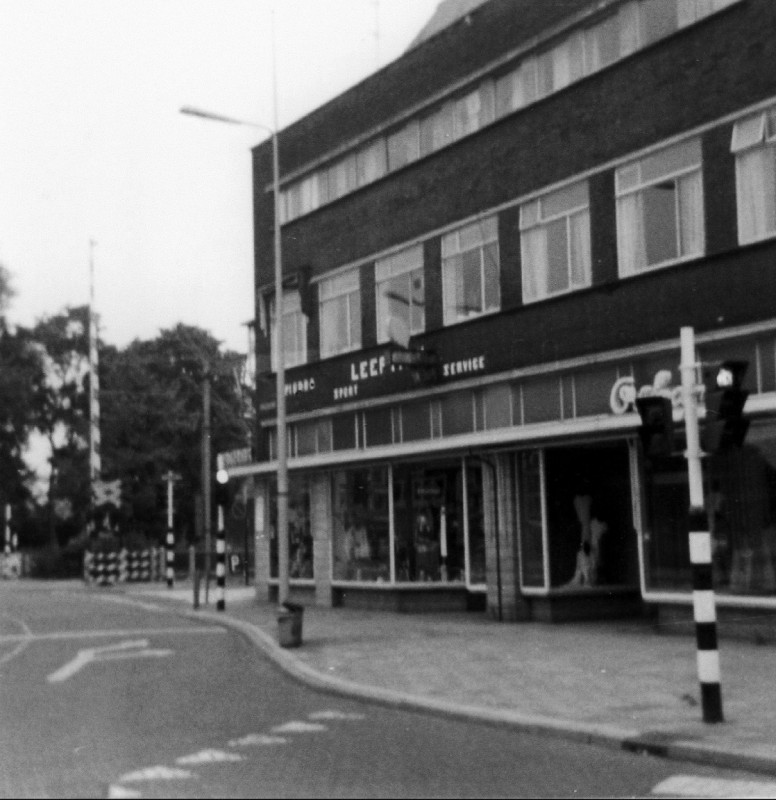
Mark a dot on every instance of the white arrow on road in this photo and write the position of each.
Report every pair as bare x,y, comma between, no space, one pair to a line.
114,652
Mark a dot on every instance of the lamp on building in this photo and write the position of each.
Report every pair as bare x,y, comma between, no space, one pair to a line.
280,377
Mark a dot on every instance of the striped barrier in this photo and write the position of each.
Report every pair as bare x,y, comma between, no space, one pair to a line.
705,614
221,562
170,558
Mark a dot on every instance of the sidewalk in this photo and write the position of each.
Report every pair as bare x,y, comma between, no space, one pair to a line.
615,683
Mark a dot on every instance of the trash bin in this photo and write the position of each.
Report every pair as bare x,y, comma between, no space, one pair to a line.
290,624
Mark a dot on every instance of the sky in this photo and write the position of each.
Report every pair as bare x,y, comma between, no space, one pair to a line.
93,147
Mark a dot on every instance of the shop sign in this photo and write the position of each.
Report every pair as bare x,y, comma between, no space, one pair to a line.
623,396
236,458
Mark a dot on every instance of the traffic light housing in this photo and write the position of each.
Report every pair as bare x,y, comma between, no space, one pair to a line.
657,426
725,398
222,492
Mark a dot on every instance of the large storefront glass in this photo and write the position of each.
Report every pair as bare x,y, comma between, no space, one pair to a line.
300,542
361,525
740,495
576,521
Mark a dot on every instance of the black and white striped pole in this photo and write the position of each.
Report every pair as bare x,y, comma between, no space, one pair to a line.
171,477
8,549
222,494
704,604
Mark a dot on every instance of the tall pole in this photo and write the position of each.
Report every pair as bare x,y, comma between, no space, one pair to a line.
95,465
280,373
170,551
206,476
704,608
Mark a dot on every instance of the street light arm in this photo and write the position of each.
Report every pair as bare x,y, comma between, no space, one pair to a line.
198,112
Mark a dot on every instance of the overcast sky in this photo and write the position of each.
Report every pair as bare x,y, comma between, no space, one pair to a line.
92,145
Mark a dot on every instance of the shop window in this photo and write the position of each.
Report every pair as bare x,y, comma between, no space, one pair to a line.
496,402
457,414
340,313
531,515
754,146
555,243
541,400
313,437
660,209
592,391
400,292
470,271
404,146
300,542
343,432
415,422
378,427
429,523
360,543
294,331
371,162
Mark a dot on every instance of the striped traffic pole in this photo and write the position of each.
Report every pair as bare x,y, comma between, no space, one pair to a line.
705,614
704,609
221,562
170,572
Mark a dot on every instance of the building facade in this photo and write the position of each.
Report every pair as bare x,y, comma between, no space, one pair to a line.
527,207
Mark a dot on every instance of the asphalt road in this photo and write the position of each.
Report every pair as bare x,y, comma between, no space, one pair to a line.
100,698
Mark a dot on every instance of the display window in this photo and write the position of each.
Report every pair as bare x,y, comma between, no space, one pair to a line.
740,499
576,518
361,525
300,542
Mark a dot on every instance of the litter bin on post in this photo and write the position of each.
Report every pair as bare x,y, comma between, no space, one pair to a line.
290,624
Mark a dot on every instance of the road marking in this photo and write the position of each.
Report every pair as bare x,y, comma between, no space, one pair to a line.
114,652
210,757
258,739
160,772
120,793
334,715
697,786
23,640
297,726
101,634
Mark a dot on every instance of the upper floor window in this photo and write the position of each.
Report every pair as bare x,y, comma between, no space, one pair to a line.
404,145
371,162
517,88
340,313
754,145
294,331
660,208
555,242
470,271
399,288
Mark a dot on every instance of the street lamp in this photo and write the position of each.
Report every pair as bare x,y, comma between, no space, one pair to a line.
280,371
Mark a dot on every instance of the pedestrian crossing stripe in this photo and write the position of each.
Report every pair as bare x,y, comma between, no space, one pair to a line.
698,786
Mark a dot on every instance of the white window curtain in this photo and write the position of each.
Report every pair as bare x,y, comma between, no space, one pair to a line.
581,259
535,266
631,243
756,191
691,226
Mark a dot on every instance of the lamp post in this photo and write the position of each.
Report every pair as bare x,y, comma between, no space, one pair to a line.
280,371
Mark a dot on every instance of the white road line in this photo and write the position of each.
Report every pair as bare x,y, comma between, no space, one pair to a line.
67,635
114,652
297,726
210,757
116,792
257,740
160,772
319,715
697,786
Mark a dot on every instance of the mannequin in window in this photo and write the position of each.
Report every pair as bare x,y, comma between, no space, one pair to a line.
592,530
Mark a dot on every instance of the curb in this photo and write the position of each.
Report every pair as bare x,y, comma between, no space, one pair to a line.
610,736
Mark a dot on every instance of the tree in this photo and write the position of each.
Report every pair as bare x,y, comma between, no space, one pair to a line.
151,401
62,415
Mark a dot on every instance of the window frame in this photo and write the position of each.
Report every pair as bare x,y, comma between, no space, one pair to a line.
292,309
400,265
331,289
674,174
453,251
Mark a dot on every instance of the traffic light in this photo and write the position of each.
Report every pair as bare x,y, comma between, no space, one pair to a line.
222,492
657,426
726,426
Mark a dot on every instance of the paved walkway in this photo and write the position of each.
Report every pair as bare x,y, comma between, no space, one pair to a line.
618,683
